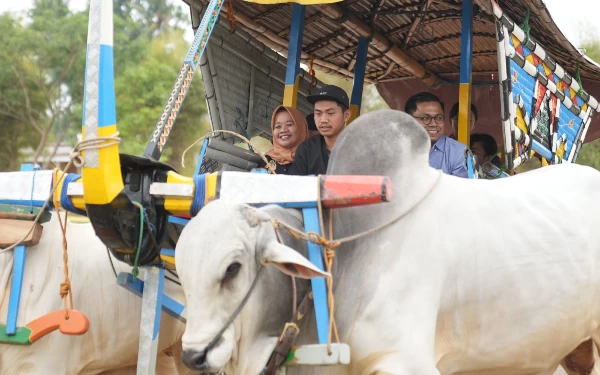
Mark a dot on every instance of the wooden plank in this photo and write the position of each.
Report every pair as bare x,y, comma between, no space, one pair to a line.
317,355
12,231
23,212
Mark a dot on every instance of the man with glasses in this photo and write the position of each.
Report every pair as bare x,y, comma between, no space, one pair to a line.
445,153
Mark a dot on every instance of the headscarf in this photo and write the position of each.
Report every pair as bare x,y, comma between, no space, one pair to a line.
285,155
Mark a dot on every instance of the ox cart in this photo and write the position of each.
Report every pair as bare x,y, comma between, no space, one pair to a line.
533,88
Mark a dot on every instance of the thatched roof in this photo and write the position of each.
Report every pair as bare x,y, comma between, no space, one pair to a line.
414,43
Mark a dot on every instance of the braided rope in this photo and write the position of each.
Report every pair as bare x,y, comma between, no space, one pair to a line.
330,245
65,286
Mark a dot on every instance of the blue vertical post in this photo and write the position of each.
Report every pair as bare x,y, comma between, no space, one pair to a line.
319,288
466,68
470,167
359,77
292,78
19,256
201,157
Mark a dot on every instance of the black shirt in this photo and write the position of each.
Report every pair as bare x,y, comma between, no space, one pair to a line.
312,157
279,168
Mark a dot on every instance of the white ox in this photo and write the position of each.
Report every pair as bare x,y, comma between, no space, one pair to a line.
111,342
480,277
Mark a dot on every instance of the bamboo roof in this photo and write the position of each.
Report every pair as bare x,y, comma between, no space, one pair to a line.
414,44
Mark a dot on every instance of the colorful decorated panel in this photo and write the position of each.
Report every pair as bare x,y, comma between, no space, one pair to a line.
545,109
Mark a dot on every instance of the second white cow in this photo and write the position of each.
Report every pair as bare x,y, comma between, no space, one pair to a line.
477,277
114,313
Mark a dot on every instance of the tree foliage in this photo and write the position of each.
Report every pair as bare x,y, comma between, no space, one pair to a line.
42,71
590,152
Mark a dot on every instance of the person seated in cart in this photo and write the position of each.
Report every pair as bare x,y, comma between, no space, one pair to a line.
454,120
485,148
289,130
312,127
445,154
331,114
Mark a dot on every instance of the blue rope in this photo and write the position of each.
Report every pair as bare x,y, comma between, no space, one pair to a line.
199,195
32,187
65,200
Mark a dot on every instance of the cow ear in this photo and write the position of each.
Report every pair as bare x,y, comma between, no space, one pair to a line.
290,261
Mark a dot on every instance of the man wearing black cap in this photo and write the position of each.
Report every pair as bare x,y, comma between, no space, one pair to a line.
331,114
312,127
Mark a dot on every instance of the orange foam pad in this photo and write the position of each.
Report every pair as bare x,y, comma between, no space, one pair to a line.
347,191
77,324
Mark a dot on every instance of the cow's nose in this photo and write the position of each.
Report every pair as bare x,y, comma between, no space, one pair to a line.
195,360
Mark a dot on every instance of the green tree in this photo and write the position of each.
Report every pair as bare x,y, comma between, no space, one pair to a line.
42,72
141,94
590,152
37,95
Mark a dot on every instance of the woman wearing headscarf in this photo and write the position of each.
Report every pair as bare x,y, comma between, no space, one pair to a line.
289,128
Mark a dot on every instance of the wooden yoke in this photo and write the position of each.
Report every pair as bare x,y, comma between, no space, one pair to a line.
184,196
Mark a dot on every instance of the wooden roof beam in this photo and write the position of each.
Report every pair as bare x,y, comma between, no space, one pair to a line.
278,44
424,8
381,43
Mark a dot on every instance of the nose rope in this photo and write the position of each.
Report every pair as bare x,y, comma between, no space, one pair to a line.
237,311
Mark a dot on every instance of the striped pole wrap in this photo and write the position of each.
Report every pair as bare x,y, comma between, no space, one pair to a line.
166,120
101,171
506,105
582,105
548,61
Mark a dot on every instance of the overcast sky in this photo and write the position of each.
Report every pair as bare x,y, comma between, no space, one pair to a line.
569,15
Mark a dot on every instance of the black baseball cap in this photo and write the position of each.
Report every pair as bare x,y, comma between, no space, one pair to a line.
330,92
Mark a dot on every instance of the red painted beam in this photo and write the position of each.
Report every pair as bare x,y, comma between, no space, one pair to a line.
347,191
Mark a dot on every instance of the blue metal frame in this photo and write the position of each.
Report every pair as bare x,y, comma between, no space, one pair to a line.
201,157
543,151
359,72
169,305
295,45
466,68
19,257
466,42
319,288
470,169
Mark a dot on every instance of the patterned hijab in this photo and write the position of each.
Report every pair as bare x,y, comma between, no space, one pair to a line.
285,155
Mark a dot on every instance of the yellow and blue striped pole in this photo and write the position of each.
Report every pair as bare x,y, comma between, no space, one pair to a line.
292,78
466,67
102,180
359,78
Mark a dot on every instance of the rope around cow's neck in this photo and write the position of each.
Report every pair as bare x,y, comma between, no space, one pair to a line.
319,240
329,245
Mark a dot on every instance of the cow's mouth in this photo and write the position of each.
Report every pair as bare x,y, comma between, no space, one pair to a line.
199,361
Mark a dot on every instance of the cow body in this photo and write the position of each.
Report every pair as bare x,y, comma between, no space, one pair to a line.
111,342
477,277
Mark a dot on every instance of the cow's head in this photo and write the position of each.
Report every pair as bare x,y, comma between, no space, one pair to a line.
218,257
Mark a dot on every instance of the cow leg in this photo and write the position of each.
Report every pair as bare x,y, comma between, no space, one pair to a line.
581,360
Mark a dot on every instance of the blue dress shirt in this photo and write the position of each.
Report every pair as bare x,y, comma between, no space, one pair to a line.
449,156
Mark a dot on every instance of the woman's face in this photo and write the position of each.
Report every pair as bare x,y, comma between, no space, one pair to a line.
285,132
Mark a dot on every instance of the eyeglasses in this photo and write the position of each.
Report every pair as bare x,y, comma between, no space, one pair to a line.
426,120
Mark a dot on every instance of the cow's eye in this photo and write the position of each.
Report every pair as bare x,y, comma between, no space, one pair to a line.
232,270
